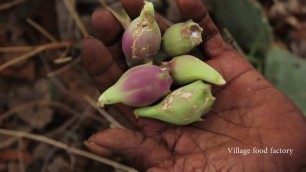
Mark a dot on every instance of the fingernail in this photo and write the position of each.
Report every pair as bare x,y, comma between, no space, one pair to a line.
97,148
87,142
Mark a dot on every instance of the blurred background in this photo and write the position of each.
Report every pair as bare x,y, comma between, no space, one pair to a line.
44,90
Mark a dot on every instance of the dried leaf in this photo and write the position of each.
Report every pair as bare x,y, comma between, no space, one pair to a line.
36,116
26,71
13,155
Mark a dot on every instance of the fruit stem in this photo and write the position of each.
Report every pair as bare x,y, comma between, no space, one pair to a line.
147,14
159,58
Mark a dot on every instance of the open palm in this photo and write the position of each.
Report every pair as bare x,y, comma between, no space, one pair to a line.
249,112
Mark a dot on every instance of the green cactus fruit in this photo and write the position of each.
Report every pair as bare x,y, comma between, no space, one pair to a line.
183,106
181,38
186,69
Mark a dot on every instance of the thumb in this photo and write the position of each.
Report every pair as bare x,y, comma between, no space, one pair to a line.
157,169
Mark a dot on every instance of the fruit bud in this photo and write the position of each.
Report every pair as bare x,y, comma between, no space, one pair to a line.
139,86
142,38
183,106
181,38
186,69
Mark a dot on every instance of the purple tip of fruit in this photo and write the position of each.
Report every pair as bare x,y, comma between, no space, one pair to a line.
145,84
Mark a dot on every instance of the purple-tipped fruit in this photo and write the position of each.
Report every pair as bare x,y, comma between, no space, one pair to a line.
142,38
139,86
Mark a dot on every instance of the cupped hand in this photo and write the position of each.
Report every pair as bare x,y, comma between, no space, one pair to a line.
250,114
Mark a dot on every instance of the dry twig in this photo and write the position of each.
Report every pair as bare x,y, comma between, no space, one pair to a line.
42,30
34,52
34,103
61,60
10,4
5,143
63,55
76,124
76,18
106,115
61,87
66,147
16,49
48,157
123,18
20,155
64,68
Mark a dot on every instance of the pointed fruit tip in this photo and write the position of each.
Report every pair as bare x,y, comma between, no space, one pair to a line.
221,81
148,8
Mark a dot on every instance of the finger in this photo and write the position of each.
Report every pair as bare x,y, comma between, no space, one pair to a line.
108,29
163,26
157,169
213,44
132,145
133,9
99,63
118,56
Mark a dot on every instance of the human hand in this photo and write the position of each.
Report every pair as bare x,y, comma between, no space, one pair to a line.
249,112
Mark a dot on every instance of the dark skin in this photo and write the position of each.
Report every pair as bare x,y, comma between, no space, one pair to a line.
249,111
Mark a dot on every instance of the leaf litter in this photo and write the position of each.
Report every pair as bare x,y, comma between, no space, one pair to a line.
43,92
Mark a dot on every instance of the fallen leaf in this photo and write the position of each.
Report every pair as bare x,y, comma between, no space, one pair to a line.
26,71
13,155
36,116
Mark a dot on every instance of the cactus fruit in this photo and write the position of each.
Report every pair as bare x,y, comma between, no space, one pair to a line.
149,78
181,38
142,38
183,106
186,69
139,86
